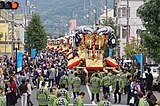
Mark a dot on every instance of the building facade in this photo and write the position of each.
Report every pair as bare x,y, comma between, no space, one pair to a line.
102,17
134,21
6,32
5,40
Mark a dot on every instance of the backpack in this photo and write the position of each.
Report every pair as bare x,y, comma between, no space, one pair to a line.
136,88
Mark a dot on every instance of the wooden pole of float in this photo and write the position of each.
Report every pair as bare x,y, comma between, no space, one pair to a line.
99,43
90,43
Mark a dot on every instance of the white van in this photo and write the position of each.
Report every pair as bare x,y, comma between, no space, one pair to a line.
154,71
127,62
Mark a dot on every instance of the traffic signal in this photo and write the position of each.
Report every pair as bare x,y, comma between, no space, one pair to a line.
9,5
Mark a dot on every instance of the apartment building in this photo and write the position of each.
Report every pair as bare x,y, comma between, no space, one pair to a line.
134,21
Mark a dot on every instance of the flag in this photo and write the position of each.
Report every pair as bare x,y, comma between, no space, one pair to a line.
139,58
19,61
33,53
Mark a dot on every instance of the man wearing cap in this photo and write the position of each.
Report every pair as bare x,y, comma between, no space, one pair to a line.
42,95
117,88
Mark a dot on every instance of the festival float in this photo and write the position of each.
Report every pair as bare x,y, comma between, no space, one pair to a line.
88,46
49,44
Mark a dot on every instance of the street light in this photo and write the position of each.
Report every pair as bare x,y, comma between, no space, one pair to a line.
18,41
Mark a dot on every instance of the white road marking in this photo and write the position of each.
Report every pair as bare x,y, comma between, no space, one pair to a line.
71,94
90,95
85,104
96,105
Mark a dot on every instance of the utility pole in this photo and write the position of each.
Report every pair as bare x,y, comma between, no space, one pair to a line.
90,2
95,16
128,32
25,14
88,17
106,10
12,32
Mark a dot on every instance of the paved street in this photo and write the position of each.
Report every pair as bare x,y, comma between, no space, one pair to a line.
87,101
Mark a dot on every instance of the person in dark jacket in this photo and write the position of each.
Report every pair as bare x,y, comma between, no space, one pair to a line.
151,98
23,91
10,90
8,93
149,80
58,75
128,88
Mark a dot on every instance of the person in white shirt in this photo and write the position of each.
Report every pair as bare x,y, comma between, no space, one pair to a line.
29,91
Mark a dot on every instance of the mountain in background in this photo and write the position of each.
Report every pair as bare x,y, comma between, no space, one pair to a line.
55,14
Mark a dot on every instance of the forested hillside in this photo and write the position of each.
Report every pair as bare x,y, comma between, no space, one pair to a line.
55,14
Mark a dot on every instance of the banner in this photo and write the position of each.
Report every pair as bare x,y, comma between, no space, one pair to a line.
19,61
33,53
139,58
110,52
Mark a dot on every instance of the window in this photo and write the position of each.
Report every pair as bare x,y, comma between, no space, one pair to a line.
124,11
124,31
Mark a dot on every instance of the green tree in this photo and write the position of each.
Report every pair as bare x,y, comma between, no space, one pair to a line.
131,48
36,36
110,22
150,15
